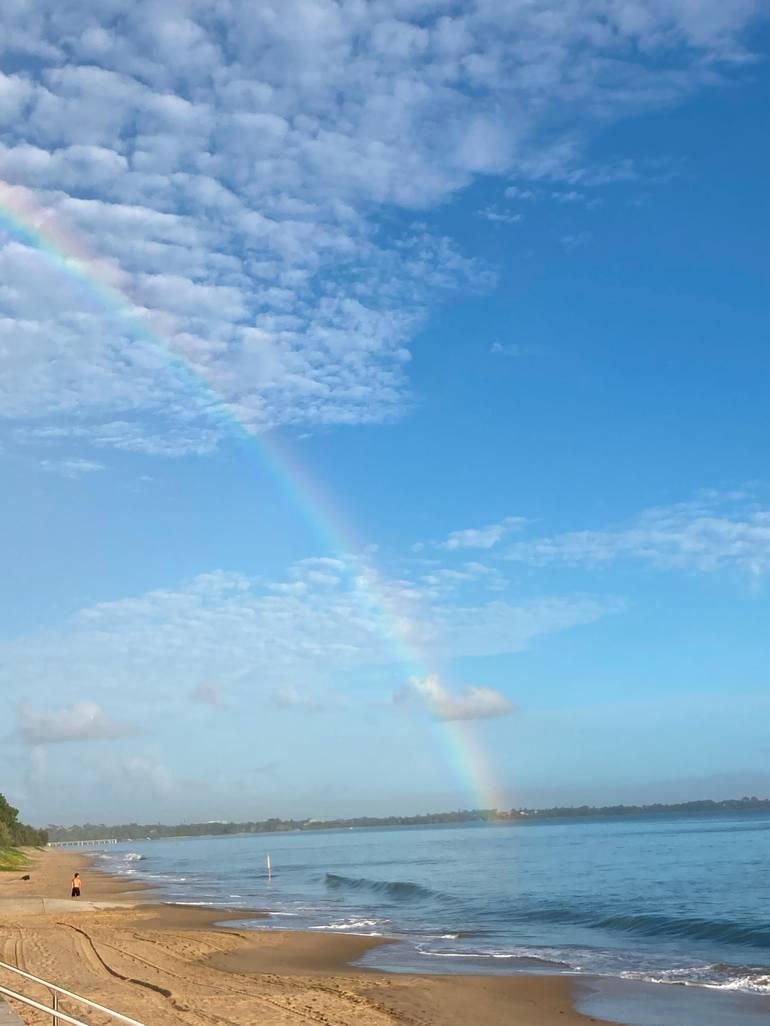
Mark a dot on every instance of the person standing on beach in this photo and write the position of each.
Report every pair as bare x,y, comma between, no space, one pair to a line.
76,885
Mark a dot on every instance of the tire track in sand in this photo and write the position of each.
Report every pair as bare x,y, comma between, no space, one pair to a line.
169,995
291,1005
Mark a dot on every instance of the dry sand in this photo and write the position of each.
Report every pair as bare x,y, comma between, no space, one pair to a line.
168,965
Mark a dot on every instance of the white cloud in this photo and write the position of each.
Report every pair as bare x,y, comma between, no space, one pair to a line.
707,535
482,537
171,440
83,721
576,240
469,703
72,468
310,628
225,167
498,627
519,193
500,216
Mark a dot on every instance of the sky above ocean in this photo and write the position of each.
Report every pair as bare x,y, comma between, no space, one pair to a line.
384,405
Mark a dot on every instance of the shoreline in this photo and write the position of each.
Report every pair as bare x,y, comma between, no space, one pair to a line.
166,963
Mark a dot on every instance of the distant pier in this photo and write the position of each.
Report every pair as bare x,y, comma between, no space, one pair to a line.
83,844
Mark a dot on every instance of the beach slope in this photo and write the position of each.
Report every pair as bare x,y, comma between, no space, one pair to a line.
168,964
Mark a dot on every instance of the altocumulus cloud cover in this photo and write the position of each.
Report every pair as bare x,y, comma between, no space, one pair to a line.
227,165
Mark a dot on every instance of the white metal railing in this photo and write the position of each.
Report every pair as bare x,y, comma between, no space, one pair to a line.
57,1015
55,991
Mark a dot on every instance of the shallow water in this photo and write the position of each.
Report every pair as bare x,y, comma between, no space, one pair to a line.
648,1004
678,900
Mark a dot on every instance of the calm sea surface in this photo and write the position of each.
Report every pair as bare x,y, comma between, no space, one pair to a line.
676,899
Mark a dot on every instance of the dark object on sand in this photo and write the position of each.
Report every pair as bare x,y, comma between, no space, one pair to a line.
26,877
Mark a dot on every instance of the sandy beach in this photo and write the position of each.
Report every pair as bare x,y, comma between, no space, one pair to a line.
169,964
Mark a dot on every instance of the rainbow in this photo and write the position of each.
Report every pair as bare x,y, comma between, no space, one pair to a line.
102,282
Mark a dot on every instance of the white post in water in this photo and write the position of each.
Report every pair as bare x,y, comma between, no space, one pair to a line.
269,865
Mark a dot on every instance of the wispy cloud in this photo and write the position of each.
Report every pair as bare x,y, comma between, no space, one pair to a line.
83,721
483,537
72,468
707,535
189,436
228,166
469,703
323,620
495,214
518,192
506,349
575,240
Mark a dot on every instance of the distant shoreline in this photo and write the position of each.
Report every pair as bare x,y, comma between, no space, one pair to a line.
154,831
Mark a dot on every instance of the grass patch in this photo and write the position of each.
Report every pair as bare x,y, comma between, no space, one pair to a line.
12,860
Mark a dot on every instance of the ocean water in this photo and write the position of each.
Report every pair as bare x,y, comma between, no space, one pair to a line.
677,900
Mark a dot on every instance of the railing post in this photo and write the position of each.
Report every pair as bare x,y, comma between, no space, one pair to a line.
59,1017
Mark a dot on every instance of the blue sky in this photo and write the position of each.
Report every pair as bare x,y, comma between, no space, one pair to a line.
494,277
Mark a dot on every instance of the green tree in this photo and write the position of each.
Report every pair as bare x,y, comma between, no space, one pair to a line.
8,815
12,832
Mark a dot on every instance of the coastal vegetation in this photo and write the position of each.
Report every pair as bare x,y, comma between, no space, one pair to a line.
151,831
15,835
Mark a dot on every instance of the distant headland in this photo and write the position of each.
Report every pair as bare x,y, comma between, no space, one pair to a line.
151,831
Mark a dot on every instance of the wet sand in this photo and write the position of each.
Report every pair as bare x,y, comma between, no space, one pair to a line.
168,965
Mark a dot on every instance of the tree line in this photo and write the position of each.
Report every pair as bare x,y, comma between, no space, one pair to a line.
14,834
151,831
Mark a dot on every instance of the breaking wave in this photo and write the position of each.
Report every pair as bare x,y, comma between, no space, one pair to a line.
648,924
398,890
718,976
